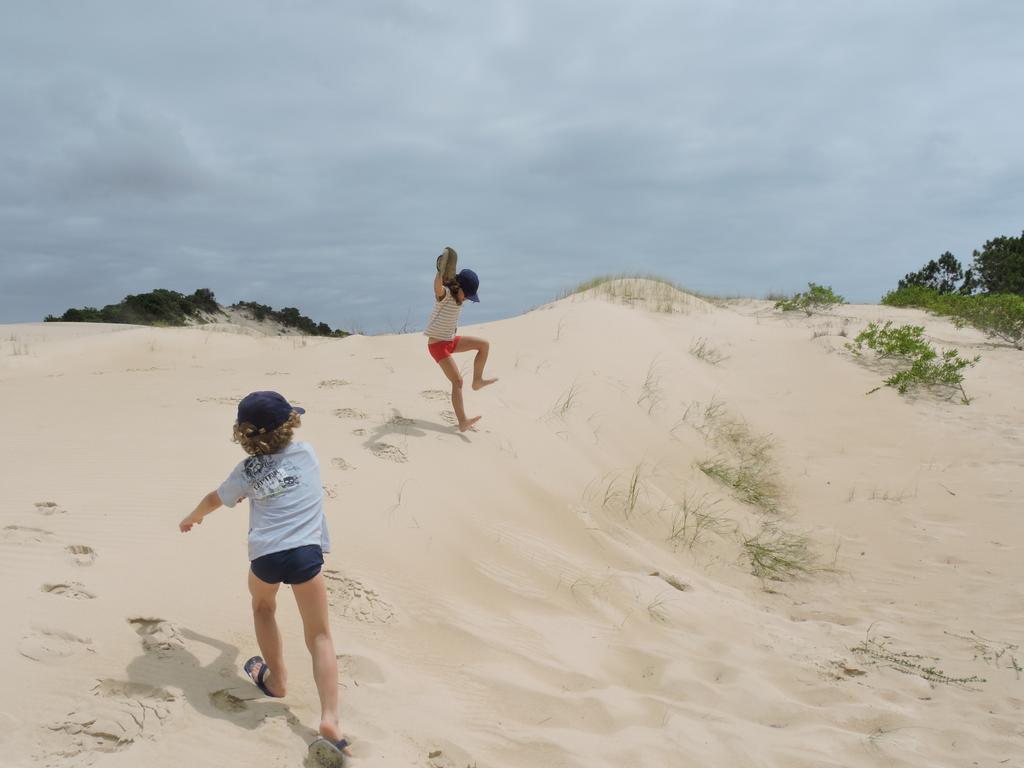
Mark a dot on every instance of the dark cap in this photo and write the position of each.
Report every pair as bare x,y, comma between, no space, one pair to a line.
265,410
469,283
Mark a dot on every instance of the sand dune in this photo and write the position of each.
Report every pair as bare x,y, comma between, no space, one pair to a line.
562,586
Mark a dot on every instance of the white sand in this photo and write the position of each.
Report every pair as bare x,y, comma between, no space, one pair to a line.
492,594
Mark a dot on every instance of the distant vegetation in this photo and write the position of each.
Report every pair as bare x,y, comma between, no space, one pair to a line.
643,291
815,299
170,308
989,295
289,316
999,315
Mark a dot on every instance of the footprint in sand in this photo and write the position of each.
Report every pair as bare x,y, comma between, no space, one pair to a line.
330,491
401,421
226,701
120,714
22,534
349,413
49,508
449,417
158,636
72,590
356,601
435,394
46,644
360,670
388,451
333,383
340,463
81,554
359,432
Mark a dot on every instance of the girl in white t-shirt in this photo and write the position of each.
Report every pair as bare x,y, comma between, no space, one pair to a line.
287,539
450,290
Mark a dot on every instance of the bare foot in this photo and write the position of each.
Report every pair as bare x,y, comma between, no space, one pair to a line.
483,383
332,732
468,423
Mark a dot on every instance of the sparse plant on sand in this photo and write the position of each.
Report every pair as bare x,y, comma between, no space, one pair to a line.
816,298
656,610
624,493
565,402
745,465
926,367
997,653
647,291
752,483
704,351
692,518
779,555
19,348
703,417
651,393
881,653
744,462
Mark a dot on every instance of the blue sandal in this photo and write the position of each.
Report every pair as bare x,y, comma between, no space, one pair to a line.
259,677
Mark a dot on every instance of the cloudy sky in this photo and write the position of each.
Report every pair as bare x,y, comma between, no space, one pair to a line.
319,154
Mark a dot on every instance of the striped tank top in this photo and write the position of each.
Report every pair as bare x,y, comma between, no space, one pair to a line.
444,318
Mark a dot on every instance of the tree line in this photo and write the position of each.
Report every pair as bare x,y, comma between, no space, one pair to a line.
170,308
988,295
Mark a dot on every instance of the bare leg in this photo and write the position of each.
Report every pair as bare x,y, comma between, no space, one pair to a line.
482,347
268,636
311,597
451,370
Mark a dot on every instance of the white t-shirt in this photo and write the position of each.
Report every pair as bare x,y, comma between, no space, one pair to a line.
285,500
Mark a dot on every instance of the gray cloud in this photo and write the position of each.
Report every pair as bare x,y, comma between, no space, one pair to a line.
318,154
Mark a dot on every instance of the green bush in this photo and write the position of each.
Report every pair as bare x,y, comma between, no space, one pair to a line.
1000,315
815,299
912,296
925,366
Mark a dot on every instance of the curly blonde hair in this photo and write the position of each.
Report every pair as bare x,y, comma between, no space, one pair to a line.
259,442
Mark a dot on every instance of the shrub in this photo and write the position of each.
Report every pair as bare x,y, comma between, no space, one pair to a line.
1000,315
927,368
815,299
779,555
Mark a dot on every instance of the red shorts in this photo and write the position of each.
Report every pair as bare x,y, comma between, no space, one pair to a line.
439,350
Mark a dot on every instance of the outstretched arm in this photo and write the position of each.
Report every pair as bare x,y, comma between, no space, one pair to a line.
446,264
210,502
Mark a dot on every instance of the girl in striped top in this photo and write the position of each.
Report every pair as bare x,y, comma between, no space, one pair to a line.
450,290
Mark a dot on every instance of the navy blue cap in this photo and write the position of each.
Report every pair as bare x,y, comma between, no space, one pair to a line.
469,283
265,410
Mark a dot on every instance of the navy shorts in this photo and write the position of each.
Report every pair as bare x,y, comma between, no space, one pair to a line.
292,566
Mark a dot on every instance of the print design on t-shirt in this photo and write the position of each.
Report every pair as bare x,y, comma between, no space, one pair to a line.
269,476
